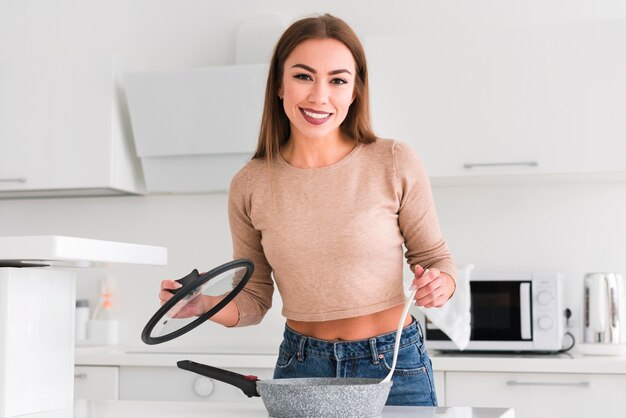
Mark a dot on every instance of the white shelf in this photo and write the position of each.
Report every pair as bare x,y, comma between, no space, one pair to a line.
76,252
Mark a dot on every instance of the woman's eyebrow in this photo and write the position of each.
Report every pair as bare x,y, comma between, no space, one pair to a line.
309,69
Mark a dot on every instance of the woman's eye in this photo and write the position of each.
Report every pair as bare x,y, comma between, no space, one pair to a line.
338,81
302,77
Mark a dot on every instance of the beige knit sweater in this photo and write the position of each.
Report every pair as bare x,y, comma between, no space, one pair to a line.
333,236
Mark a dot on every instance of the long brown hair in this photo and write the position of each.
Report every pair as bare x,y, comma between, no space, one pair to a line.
275,128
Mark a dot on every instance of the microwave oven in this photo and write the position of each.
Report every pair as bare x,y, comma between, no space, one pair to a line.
510,311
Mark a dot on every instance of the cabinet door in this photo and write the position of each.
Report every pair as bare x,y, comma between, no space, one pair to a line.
539,394
55,115
96,383
505,101
60,125
453,99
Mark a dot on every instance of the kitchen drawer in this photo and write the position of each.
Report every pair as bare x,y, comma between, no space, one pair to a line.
174,384
97,383
534,395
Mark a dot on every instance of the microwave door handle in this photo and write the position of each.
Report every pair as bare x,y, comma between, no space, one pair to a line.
525,313
611,282
598,302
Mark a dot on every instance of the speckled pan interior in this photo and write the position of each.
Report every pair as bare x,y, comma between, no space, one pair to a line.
324,397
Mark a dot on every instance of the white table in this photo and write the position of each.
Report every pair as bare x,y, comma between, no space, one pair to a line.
154,409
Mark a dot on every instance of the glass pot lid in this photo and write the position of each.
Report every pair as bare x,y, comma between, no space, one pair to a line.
179,315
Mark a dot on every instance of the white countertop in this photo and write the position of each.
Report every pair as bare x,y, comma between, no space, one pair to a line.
154,409
571,362
161,357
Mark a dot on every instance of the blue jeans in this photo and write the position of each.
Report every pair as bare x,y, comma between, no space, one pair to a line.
413,383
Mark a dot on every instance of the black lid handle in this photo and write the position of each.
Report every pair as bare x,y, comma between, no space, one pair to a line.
185,280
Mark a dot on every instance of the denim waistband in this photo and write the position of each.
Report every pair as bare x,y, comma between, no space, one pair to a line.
344,350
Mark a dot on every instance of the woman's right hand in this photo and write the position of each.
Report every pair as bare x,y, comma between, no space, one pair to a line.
194,307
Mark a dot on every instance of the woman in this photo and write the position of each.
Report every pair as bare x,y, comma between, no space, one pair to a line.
325,207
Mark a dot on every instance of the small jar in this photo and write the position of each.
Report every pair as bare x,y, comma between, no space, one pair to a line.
82,316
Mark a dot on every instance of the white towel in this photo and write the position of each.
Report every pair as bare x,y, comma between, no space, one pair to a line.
454,317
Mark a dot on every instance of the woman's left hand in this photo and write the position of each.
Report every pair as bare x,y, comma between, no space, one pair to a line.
433,287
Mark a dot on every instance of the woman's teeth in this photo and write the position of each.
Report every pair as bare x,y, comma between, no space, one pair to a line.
316,115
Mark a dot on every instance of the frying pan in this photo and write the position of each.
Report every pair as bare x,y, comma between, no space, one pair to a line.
315,396
283,398
306,397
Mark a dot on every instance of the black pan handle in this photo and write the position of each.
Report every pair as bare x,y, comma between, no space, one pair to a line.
246,383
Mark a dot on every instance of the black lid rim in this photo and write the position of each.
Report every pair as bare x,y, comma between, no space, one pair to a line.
242,262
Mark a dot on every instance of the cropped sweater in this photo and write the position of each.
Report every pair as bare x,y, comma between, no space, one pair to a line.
332,237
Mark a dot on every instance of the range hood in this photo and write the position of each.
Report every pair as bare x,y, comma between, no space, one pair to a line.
194,128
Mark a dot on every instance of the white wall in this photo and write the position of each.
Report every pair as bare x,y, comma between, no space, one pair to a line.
573,228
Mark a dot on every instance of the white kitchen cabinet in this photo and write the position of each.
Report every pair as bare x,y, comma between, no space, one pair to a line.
440,387
174,384
571,395
544,102
96,383
63,128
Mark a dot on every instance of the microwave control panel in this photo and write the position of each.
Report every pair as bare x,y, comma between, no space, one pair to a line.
547,311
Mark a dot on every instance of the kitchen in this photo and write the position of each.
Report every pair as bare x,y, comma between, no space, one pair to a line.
570,223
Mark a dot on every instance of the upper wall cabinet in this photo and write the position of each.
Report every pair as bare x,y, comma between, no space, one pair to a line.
194,128
485,105
62,129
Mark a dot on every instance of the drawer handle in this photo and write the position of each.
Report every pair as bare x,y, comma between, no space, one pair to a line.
521,163
80,376
569,384
13,180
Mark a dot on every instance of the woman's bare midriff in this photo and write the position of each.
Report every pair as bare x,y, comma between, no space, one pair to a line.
357,328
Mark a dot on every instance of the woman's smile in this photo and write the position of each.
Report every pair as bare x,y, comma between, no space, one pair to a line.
315,117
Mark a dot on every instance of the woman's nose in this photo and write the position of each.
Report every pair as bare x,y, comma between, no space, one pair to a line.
319,93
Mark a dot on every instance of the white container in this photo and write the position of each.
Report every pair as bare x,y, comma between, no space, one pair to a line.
36,340
82,316
604,315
